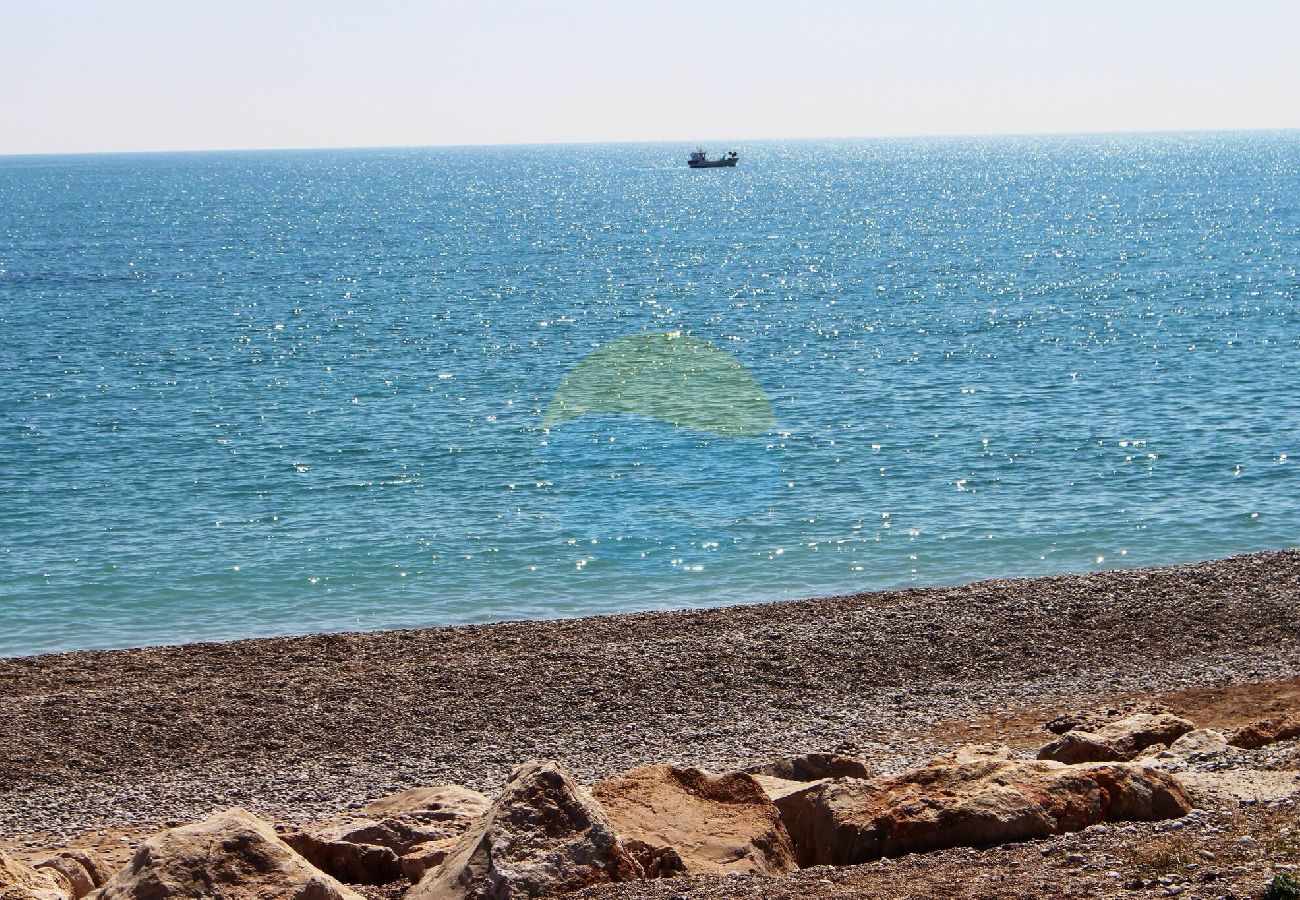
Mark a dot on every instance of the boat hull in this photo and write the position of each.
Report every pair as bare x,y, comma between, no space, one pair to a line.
724,163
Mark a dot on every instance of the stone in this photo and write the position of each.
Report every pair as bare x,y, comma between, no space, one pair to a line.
233,855
543,835
1092,719
353,852
395,837
1265,732
19,881
716,824
974,797
423,857
656,861
84,870
443,803
1119,740
813,767
776,788
1200,740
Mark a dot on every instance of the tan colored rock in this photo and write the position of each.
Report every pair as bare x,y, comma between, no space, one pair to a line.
1136,793
1199,746
1265,732
353,851
716,823
233,855
975,797
543,835
423,857
656,861
84,870
1201,740
1092,719
813,767
443,803
776,788
1119,740
372,846
19,881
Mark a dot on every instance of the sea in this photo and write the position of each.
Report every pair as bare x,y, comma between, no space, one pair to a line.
266,393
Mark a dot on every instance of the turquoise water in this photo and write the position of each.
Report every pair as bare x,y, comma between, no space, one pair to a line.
266,393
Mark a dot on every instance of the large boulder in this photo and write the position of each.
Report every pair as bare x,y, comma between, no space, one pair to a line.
543,835
19,881
715,824
974,797
84,870
233,856
1119,740
398,836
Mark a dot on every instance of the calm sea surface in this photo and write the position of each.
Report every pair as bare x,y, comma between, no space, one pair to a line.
266,393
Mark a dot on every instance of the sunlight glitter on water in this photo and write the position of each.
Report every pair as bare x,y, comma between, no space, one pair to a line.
308,393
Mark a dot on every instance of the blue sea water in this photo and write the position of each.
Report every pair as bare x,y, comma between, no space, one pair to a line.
266,393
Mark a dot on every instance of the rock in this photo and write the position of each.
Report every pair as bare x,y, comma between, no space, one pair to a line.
717,824
1263,733
70,876
543,835
813,767
444,803
233,855
390,838
1118,740
19,881
776,788
84,870
974,797
423,857
1200,740
656,862
352,852
1092,719
1135,793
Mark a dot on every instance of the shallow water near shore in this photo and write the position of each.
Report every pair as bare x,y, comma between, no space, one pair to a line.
263,393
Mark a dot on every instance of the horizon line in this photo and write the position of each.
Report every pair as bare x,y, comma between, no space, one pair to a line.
620,142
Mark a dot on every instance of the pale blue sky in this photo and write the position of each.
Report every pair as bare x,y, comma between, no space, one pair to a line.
77,75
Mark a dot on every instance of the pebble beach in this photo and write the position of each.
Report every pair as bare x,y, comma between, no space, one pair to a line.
299,728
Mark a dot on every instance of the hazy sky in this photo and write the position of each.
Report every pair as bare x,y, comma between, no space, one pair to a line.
80,75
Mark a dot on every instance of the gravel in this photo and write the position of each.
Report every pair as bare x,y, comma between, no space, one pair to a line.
296,728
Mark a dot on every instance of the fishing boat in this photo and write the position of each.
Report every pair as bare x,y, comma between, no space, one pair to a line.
700,160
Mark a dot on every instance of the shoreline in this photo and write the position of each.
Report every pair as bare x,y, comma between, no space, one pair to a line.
299,727
722,604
